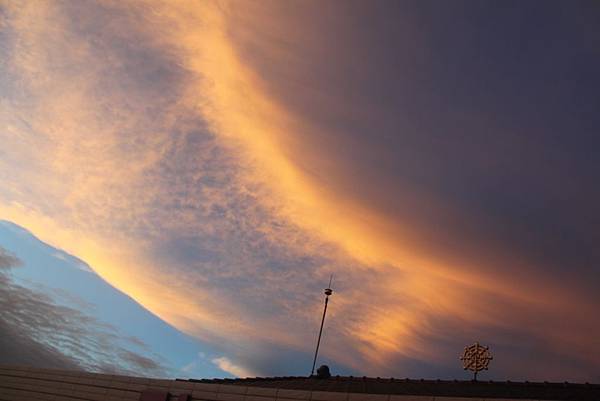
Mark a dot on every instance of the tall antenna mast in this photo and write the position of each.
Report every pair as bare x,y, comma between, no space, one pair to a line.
328,291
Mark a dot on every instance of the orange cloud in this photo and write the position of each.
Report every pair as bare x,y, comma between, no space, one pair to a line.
113,165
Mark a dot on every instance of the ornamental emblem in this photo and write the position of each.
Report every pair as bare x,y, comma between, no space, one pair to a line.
476,358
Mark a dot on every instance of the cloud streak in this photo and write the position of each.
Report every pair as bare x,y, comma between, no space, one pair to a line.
225,364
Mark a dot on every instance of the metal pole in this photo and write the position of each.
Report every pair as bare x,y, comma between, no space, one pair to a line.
476,362
312,372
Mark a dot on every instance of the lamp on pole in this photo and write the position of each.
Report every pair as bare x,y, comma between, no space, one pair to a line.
328,291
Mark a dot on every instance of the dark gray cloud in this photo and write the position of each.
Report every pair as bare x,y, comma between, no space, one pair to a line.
18,348
7,260
139,362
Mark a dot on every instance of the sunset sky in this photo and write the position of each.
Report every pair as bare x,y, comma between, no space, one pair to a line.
179,179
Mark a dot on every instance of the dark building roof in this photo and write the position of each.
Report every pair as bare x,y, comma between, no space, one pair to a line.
448,388
30,383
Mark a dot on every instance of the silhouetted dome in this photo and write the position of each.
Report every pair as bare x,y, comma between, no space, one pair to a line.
323,372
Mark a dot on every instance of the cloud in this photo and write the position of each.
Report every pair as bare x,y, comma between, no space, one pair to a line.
140,362
226,365
189,367
208,168
8,260
37,331
77,263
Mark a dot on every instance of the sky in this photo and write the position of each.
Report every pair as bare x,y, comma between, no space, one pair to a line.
63,315
203,167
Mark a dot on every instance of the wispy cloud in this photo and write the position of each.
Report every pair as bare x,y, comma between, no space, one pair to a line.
226,365
77,263
7,260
